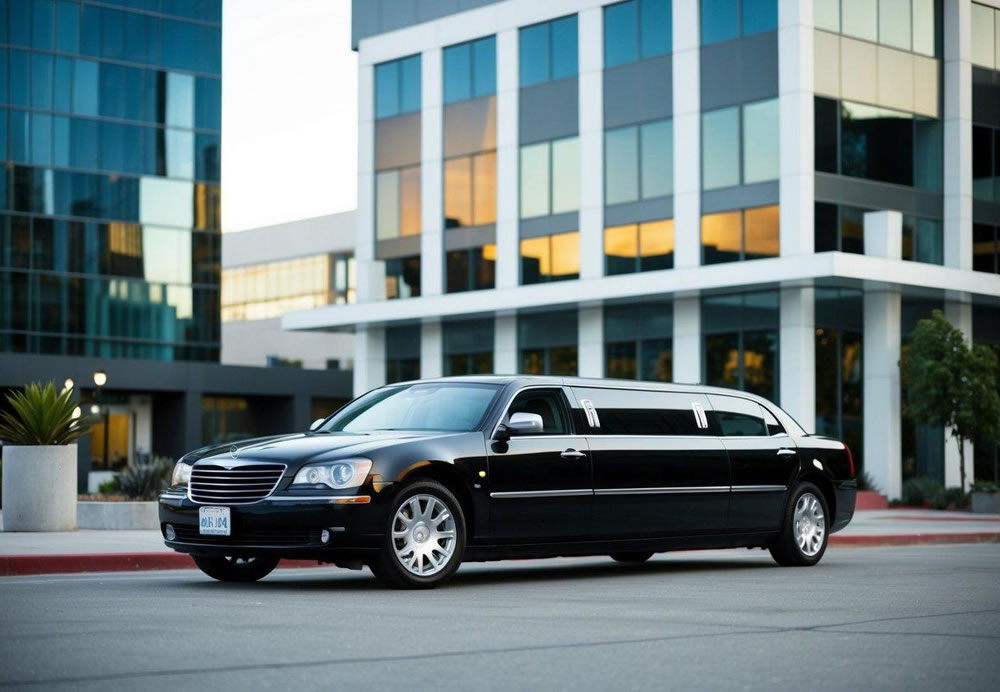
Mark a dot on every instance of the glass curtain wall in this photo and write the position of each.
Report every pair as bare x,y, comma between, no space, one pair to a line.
638,341
547,343
467,347
839,371
402,353
740,337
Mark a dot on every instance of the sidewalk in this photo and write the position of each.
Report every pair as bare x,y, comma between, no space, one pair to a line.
112,551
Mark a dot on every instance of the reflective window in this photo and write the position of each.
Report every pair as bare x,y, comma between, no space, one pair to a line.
548,51
397,87
724,20
68,26
621,165
402,277
85,89
637,29
760,141
737,417
839,369
402,363
470,190
467,347
535,180
985,43
639,247
470,70
985,163
471,269
908,25
725,145
923,240
550,177
720,148
565,175
895,23
740,235
397,203
550,258
741,342
638,162
985,248
638,341
265,291
547,342
859,18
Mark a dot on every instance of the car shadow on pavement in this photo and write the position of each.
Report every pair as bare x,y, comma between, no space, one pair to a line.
506,572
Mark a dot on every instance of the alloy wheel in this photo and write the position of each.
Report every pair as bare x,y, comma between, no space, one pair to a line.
424,535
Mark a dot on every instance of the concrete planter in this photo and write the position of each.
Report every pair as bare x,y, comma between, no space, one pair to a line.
117,515
39,488
982,502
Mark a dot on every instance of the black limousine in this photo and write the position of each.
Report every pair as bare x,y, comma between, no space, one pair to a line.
414,478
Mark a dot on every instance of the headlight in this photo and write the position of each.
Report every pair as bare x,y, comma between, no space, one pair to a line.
181,475
346,473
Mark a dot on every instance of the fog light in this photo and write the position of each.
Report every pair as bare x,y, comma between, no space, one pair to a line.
324,536
169,532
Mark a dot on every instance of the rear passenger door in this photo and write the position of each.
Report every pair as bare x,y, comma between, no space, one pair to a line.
763,459
658,469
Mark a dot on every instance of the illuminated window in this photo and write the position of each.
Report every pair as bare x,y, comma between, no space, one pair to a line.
740,235
639,247
550,258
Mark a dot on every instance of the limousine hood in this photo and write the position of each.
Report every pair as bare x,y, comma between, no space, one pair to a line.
302,448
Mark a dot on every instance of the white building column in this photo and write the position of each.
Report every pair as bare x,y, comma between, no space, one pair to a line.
369,359
884,234
590,351
795,103
591,109
960,315
508,234
505,344
957,134
797,354
431,350
364,243
882,404
687,340
431,175
687,142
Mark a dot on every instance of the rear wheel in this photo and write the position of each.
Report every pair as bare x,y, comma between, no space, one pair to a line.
805,530
631,557
425,539
236,569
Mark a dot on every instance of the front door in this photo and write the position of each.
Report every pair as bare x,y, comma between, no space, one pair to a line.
540,484
658,469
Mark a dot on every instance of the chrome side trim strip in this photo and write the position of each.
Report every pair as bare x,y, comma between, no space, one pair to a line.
758,488
344,499
664,491
542,493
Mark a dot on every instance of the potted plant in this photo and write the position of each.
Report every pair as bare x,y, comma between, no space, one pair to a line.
39,458
985,497
951,384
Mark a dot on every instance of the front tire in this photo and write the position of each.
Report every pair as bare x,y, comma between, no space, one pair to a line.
805,529
236,569
425,538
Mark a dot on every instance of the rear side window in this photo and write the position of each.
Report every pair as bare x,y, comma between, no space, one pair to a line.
646,413
773,426
738,417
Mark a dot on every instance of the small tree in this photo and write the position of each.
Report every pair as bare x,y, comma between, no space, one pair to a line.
951,384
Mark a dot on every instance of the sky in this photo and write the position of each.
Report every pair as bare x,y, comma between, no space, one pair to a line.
289,111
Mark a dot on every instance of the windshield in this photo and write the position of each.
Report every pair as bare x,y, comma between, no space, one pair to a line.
449,406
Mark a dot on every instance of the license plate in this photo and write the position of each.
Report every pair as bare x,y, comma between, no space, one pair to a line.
214,521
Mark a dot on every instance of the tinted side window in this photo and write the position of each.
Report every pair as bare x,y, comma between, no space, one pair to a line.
549,404
629,412
738,417
773,426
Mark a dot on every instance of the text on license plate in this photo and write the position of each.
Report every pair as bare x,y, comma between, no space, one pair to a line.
214,521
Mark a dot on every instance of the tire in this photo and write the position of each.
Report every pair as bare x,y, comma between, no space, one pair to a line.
803,544
233,569
633,558
424,539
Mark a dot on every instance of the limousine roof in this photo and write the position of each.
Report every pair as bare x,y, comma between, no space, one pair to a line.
525,380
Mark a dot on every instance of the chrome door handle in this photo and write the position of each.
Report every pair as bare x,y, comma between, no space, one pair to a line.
572,454
784,452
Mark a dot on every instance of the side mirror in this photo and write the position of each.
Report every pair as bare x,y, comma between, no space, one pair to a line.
525,424
316,423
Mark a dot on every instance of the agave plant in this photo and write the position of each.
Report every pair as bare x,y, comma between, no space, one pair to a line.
42,415
145,477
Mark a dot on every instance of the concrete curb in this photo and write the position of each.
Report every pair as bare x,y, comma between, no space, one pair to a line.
23,565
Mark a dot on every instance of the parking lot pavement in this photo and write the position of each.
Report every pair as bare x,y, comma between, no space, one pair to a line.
925,617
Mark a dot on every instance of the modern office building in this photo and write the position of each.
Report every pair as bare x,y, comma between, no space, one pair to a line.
762,194
272,270
110,114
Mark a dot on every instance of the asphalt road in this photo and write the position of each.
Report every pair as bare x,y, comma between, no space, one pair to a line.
895,618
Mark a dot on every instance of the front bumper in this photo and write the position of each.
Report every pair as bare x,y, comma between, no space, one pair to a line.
280,525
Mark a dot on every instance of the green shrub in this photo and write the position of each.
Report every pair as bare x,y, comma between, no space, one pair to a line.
145,478
951,498
920,492
985,487
112,487
42,415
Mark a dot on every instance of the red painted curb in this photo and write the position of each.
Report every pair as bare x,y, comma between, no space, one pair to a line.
21,565
914,539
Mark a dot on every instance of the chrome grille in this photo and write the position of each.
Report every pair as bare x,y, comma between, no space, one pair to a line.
239,485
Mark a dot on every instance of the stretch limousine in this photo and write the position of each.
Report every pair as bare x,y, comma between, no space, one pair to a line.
413,478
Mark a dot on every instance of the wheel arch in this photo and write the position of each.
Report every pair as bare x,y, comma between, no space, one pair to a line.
825,486
447,475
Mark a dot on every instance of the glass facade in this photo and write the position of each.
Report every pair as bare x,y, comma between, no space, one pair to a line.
550,258
472,269
639,162
985,36
548,51
402,353
725,20
923,445
841,227
839,372
109,193
639,247
739,145
638,341
470,70
264,291
731,236
550,177
740,334
467,347
547,343
879,144
397,148
909,25
986,248
402,277
986,163
636,30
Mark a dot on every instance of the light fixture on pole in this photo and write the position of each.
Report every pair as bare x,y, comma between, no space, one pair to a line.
100,378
